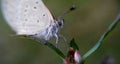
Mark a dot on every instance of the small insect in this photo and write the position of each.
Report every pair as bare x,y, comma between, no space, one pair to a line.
31,18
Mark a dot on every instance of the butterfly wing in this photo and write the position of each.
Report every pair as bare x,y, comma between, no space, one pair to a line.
27,17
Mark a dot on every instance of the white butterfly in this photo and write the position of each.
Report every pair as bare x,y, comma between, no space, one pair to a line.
31,18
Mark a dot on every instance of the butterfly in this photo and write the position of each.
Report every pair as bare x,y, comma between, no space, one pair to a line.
31,18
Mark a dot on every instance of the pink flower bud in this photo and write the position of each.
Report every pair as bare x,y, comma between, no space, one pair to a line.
77,57
71,52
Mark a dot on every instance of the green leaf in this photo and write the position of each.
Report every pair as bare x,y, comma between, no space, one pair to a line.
73,44
55,49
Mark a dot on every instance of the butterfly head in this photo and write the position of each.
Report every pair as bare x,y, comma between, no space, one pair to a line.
60,22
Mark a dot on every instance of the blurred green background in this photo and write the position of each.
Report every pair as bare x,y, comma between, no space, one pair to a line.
86,24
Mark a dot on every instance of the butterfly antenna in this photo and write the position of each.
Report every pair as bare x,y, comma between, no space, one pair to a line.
66,12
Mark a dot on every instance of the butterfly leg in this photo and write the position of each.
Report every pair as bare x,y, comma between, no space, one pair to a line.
57,39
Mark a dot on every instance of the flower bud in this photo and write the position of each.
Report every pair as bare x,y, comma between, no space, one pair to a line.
71,53
77,57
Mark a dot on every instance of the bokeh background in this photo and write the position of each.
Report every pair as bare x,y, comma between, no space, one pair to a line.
86,24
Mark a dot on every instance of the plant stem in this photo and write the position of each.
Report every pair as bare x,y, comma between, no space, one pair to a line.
58,51
105,34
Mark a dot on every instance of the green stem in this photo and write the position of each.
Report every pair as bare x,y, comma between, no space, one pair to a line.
55,49
98,44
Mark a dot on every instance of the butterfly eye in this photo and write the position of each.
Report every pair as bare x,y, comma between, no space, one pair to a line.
61,23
